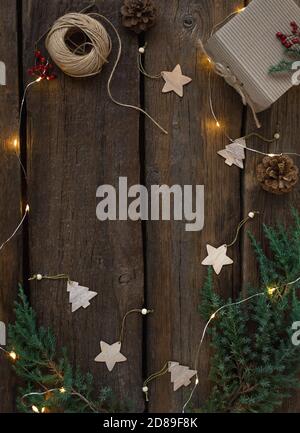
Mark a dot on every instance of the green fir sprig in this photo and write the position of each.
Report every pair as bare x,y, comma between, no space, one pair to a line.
50,382
254,364
291,44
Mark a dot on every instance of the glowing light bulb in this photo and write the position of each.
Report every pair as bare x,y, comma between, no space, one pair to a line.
62,390
15,143
209,60
38,80
13,355
197,381
43,410
35,409
271,155
213,316
271,290
27,209
218,124
241,10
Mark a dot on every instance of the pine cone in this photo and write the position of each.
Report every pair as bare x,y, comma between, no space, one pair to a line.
138,15
277,174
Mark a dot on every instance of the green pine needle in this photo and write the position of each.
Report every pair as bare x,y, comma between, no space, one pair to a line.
254,365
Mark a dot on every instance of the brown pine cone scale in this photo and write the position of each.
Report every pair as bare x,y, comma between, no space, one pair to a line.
138,15
277,174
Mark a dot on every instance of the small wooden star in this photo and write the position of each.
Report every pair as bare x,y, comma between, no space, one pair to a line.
217,258
175,81
110,354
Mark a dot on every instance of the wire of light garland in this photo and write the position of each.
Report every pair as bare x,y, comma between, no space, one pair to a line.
16,229
91,63
213,111
212,317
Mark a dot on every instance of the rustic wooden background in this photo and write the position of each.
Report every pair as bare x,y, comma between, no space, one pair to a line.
73,140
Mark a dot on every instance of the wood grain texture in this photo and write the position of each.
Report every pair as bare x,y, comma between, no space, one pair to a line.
273,208
78,140
10,208
188,155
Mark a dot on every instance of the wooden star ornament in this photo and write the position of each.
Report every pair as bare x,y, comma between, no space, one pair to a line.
217,258
110,354
175,81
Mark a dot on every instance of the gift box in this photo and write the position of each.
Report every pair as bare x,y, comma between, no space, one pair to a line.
245,48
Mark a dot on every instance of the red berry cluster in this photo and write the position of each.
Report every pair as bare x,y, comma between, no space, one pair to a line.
289,41
42,68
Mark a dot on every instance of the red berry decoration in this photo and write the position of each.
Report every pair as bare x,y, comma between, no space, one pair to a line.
42,68
291,42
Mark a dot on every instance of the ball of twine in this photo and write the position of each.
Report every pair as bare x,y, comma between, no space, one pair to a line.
85,60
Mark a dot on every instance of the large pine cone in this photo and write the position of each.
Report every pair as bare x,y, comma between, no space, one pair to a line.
138,15
277,174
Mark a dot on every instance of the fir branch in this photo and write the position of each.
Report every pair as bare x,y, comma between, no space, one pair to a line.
255,366
50,382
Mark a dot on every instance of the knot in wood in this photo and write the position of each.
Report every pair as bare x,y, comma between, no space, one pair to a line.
125,278
188,21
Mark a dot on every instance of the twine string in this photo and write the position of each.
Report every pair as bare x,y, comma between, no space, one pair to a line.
240,226
51,277
228,76
142,68
135,310
90,63
154,376
259,152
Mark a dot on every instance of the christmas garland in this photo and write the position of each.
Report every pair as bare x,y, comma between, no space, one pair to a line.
254,365
51,384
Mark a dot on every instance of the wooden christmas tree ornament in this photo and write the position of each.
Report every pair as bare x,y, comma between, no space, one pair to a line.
79,296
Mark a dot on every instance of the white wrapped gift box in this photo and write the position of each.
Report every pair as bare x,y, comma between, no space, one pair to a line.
248,46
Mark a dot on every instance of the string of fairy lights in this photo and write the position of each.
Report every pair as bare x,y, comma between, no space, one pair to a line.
217,121
270,291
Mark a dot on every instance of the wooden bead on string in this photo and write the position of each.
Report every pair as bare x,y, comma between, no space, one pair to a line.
87,57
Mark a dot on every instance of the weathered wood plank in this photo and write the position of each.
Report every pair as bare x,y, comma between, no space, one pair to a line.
10,209
78,140
187,156
273,208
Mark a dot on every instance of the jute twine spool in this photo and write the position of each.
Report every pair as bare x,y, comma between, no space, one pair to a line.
86,59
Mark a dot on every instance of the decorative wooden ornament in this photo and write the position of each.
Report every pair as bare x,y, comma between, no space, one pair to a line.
175,81
79,295
180,375
217,258
2,334
110,354
234,153
244,48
